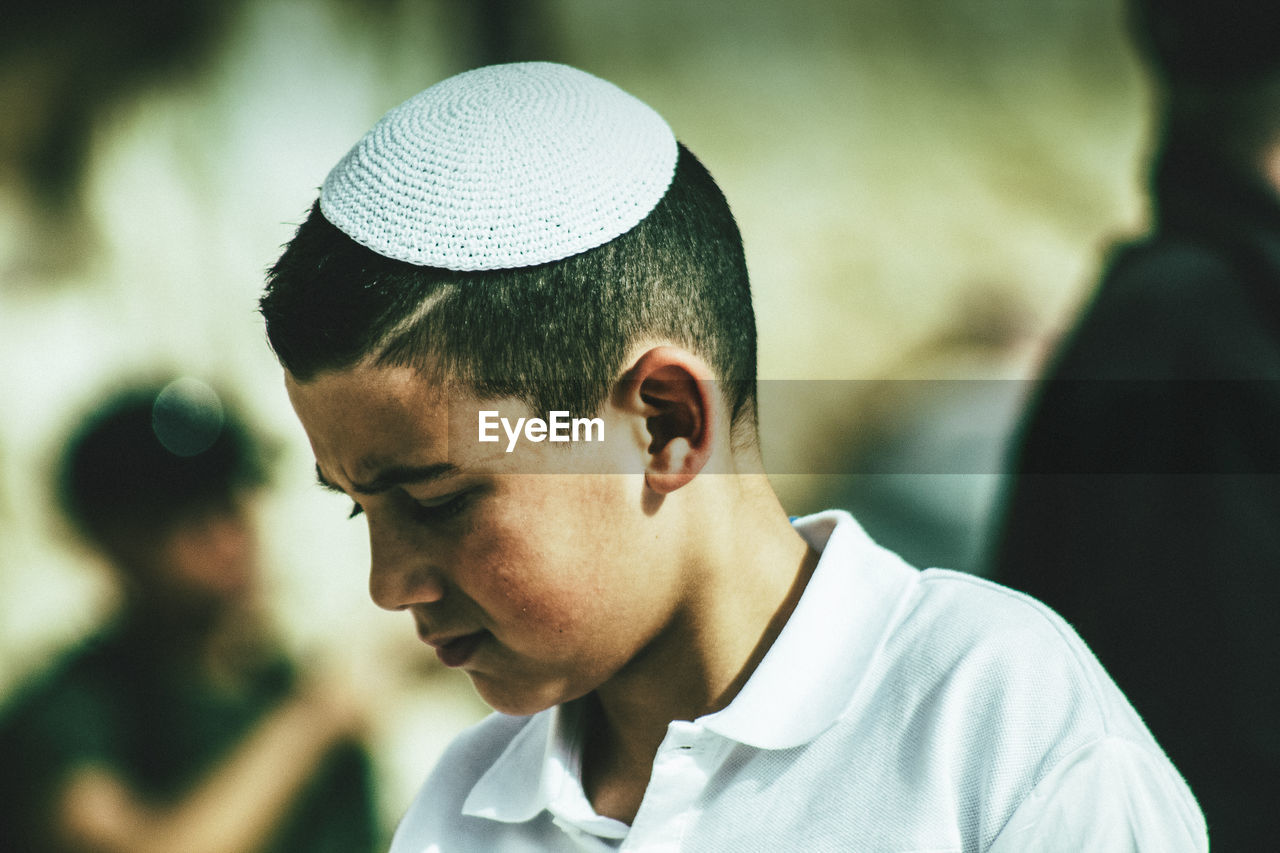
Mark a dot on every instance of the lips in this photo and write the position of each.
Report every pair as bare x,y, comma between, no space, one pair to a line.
456,652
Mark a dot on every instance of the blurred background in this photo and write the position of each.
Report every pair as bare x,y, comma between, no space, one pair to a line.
925,189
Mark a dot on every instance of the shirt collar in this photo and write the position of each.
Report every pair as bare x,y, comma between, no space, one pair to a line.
813,669
799,690
541,750
547,748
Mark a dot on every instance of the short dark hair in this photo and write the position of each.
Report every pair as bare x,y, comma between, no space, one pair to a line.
1200,43
1217,67
151,455
553,335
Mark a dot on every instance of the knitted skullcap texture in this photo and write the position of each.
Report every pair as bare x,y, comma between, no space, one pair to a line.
503,166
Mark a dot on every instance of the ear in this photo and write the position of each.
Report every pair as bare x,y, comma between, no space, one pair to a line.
672,389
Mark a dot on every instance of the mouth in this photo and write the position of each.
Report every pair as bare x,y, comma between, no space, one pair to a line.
456,651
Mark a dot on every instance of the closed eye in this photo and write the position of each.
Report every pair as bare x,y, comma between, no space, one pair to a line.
324,483
442,508
436,509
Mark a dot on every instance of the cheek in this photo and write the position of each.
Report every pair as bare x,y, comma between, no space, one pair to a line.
536,587
545,560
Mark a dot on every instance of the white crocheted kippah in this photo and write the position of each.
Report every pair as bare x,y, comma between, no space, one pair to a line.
504,166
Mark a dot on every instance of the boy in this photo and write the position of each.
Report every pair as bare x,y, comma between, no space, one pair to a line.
674,663
180,725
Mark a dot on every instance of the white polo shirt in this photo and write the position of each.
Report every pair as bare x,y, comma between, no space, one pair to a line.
897,710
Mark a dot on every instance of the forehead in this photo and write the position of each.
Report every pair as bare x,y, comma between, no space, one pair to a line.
371,424
384,390
364,418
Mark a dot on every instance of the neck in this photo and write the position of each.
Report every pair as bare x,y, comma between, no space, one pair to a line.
208,639
748,581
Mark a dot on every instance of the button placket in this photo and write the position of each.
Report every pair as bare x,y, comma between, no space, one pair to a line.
685,762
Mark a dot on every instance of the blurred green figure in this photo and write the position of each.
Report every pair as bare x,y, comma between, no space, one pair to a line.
1145,499
180,727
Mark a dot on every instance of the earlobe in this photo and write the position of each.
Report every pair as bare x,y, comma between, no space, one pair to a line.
671,388
671,466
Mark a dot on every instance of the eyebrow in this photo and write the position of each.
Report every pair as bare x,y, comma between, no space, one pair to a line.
396,475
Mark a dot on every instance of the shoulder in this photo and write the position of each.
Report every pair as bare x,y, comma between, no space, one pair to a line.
1005,650
981,612
70,700
1133,803
1004,691
971,697
1003,681
1168,274
1015,638
1170,307
65,717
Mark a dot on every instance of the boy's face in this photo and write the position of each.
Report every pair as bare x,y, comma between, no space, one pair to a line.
212,550
206,555
540,582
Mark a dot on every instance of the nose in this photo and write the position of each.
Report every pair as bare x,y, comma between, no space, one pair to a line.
401,572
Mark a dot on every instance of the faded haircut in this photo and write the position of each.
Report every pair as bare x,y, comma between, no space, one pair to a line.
553,335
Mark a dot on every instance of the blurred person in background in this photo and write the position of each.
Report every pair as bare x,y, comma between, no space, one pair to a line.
1145,499
180,727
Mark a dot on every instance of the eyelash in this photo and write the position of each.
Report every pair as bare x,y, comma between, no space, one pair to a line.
442,511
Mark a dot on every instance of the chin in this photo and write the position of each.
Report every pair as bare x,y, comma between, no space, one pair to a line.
517,700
